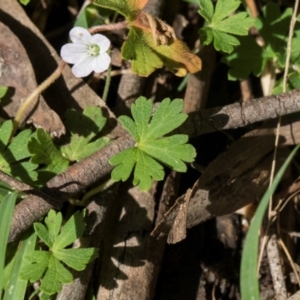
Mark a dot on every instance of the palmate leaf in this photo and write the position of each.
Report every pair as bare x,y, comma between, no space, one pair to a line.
222,25
14,157
273,26
48,266
45,152
152,148
83,128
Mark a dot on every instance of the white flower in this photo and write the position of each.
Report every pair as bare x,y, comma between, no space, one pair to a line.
88,52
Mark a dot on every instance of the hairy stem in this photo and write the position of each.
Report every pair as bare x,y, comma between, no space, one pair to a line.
107,84
33,96
108,27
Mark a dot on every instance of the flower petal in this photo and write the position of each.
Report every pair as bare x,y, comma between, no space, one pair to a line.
80,35
72,53
102,41
101,63
84,67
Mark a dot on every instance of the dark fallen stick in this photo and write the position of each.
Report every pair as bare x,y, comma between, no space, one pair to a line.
241,114
90,170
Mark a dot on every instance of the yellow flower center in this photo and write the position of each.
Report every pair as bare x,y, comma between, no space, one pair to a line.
93,50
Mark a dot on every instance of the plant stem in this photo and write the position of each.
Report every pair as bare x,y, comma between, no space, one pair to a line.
33,96
107,84
108,27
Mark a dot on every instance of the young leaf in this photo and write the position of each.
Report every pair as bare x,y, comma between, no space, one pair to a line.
48,265
53,222
55,276
71,231
35,265
273,27
222,25
13,154
148,131
44,152
243,62
83,128
77,259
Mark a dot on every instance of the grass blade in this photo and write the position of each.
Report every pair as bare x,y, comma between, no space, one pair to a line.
7,206
249,280
16,287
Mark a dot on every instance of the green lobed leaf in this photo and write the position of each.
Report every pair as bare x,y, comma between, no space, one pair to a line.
141,111
3,91
71,231
130,126
45,265
5,133
238,24
148,131
206,10
146,170
12,152
224,8
84,127
55,276
295,51
273,26
124,162
44,152
222,24
43,233
172,151
53,222
243,62
77,259
35,265
16,146
167,117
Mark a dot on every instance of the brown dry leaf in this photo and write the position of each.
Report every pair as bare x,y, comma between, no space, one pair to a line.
16,73
174,220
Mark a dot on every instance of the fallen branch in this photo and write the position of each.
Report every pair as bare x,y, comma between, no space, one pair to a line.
241,114
94,168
